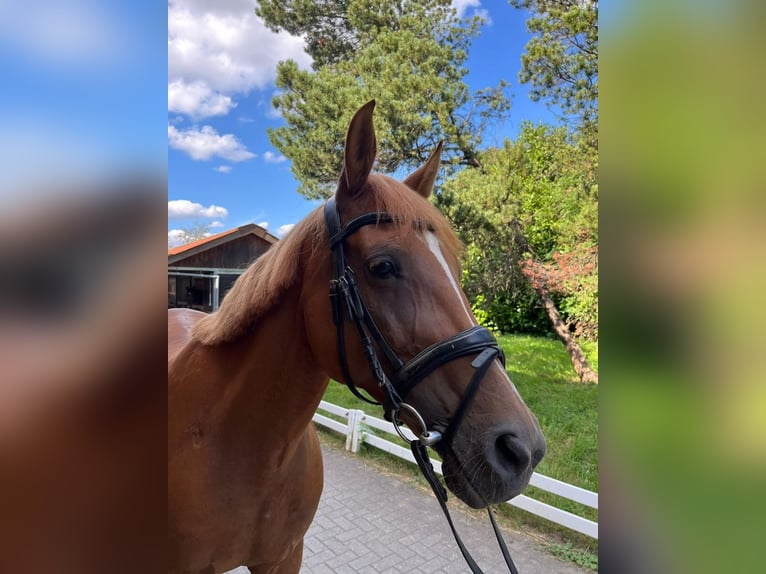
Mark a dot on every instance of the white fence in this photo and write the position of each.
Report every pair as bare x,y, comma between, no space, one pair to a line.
360,428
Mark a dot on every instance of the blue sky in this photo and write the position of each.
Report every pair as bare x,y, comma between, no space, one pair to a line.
222,168
83,90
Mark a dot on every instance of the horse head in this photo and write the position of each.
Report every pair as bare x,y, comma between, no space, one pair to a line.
404,263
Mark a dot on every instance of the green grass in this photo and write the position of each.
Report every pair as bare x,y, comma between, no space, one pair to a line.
568,552
339,394
568,414
567,410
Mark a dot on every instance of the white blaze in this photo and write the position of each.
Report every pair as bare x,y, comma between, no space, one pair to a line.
433,244
435,247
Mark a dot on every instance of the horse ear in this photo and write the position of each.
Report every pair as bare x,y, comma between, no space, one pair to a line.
360,151
422,179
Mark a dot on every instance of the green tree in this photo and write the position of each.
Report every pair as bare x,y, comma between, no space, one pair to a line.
561,59
544,180
323,23
529,219
408,55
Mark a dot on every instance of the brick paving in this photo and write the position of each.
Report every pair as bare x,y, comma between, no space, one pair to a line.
370,522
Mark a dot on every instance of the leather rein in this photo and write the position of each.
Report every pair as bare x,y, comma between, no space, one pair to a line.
345,298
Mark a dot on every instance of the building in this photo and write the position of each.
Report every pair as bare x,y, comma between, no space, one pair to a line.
201,273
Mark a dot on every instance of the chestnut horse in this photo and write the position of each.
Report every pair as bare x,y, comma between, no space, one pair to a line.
244,463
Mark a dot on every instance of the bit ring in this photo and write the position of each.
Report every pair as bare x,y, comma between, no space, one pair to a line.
427,438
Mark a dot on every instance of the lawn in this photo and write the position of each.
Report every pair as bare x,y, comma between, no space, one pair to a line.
568,414
566,409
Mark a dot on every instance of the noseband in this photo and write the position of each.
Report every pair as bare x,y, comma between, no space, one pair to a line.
476,340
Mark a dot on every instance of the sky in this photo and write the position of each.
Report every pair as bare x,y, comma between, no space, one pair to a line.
83,90
222,169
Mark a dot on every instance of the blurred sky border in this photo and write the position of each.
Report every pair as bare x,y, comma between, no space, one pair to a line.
83,90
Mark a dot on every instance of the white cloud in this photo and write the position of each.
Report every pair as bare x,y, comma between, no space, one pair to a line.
264,224
462,6
226,46
185,209
205,143
483,13
222,169
285,229
178,237
197,100
216,224
271,157
175,237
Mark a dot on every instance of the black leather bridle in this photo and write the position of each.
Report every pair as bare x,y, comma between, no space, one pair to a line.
476,340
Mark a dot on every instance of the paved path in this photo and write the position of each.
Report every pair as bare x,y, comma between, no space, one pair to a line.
369,522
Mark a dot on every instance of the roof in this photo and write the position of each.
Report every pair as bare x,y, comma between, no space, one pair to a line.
206,243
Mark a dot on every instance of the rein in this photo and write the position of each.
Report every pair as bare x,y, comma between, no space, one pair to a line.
345,296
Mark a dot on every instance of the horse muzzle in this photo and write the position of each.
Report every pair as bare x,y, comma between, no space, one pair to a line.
495,469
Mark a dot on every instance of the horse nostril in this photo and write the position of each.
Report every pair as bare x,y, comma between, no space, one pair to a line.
512,453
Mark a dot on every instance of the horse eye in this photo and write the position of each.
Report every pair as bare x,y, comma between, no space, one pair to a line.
383,268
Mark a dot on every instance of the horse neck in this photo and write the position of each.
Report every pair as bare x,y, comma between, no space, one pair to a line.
273,382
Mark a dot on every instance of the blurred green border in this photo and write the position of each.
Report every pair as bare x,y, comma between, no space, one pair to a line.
682,205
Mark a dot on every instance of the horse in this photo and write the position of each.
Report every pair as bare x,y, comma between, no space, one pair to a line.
244,463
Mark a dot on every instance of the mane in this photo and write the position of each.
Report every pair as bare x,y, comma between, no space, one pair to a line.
262,285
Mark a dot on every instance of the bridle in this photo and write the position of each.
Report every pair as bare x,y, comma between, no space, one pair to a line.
344,294
476,340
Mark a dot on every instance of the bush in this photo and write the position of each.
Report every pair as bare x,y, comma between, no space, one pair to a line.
520,312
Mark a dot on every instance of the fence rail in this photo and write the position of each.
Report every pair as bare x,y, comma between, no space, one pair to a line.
359,427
